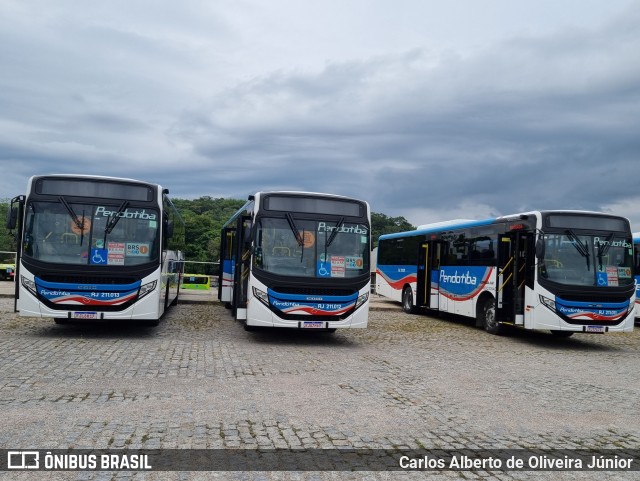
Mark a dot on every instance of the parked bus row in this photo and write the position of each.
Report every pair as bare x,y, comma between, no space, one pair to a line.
93,247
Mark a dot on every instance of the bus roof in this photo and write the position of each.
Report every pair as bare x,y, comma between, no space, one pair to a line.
94,177
439,226
466,223
302,193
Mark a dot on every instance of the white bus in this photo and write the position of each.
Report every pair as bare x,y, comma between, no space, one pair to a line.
563,271
297,260
636,257
93,247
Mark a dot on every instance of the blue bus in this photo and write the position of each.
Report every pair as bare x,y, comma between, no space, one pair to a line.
297,260
563,271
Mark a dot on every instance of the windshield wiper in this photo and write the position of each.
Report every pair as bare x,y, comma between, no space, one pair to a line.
113,220
80,224
294,229
606,245
580,247
334,233
76,220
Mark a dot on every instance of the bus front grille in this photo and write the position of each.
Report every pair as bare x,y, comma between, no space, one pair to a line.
313,291
590,298
74,279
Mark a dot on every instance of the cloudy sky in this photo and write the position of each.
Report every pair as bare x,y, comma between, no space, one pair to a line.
428,109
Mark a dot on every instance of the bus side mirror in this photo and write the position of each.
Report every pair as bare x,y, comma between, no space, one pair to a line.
12,218
169,229
540,249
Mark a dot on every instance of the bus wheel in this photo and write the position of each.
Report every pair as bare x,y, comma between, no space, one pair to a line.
407,301
564,334
488,317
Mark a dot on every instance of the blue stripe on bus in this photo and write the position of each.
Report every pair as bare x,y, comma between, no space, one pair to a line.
593,305
84,287
311,297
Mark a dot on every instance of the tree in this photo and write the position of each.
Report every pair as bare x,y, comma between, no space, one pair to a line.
204,218
383,224
7,241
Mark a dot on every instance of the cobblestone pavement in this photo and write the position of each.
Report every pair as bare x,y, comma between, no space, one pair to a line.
408,381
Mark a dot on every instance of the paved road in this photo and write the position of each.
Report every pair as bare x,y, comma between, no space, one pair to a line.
200,381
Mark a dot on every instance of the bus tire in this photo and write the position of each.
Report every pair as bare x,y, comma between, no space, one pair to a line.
407,301
151,322
487,318
562,334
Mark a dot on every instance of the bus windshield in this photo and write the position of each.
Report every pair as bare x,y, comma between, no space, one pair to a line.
91,234
312,248
587,260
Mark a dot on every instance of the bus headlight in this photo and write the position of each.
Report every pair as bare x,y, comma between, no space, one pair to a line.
146,289
550,303
29,285
362,299
261,296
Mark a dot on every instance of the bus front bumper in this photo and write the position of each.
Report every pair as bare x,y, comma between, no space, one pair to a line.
261,316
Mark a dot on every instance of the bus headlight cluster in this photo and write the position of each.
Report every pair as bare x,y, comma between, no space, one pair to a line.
550,303
362,299
147,288
261,296
29,285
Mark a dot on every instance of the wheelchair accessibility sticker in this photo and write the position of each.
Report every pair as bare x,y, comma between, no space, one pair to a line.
99,256
324,269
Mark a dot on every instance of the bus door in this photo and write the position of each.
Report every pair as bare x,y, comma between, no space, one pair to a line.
504,283
227,265
514,267
428,274
423,282
524,274
15,217
243,266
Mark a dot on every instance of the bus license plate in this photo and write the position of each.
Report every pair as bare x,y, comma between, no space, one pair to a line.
313,324
596,329
85,315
